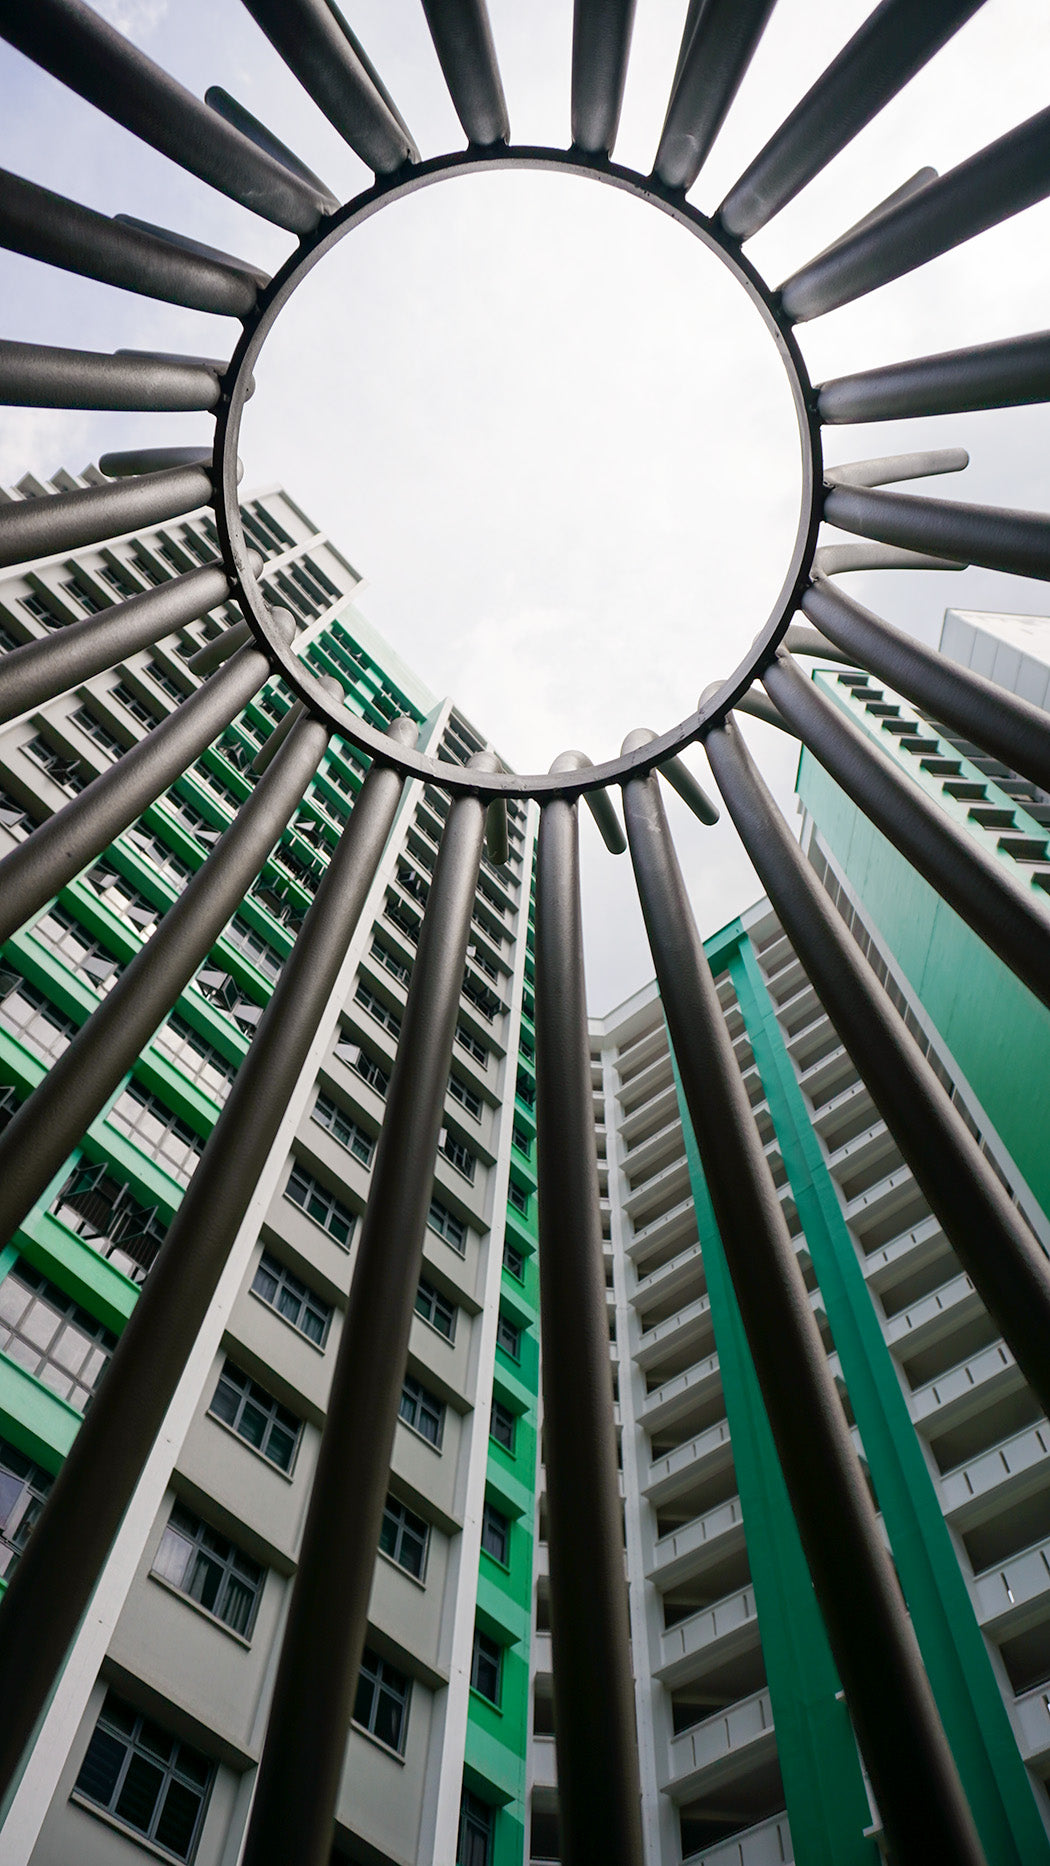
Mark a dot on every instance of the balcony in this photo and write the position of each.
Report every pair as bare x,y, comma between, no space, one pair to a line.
672,1279
688,1331
686,1553
714,1752
666,1188
675,1227
1009,1472
699,1459
707,1639
1015,1593
966,1389
682,1394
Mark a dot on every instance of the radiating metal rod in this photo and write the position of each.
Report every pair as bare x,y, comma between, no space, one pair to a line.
990,375
91,57
1009,1269
64,521
255,275
39,670
1008,918
998,538
233,112
894,42
722,44
60,232
310,37
34,872
39,1618
989,187
313,1698
810,641
992,717
901,1739
598,1776
601,46
37,375
463,41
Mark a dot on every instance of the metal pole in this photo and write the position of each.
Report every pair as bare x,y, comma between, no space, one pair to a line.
991,375
601,46
39,375
66,520
599,1788
39,868
57,1575
302,1759
722,43
318,47
1008,1267
993,718
901,1739
462,38
1010,920
994,536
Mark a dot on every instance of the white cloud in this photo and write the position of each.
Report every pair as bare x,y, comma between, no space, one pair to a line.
137,19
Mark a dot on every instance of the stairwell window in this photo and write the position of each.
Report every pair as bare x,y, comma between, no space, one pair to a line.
486,1667
150,1782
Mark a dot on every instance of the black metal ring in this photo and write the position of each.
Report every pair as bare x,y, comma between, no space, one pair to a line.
304,684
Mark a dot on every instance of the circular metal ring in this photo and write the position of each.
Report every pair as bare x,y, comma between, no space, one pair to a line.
307,686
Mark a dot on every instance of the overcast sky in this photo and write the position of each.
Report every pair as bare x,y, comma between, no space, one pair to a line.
539,418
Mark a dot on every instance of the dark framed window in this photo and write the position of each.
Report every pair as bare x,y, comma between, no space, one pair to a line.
381,1704
292,1298
436,1309
522,1141
366,1066
447,1226
404,1537
196,1057
96,730
460,1155
82,595
210,1569
156,1130
508,1337
40,609
486,1666
503,1425
472,1044
24,1487
388,959
518,1197
466,1097
376,1008
32,1016
514,1260
475,1832
257,1417
328,1114
134,704
421,1410
46,1332
495,1533
321,1205
151,1782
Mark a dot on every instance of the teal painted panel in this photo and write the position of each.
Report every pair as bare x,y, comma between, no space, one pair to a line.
90,1279
33,1418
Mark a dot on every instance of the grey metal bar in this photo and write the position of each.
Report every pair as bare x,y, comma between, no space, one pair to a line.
1009,1268
302,1759
1000,539
34,872
833,560
680,778
37,375
1007,918
221,647
497,833
60,232
760,708
921,179
462,36
255,275
1001,180
901,1738
598,1778
801,640
601,46
890,467
39,670
895,41
990,375
129,462
269,748
91,57
314,43
64,521
82,1516
227,107
721,47
998,721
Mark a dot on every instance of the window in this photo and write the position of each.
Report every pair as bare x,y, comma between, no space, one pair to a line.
209,1569
495,1533
156,1130
196,1057
44,1331
162,859
502,1425
404,1537
366,1066
508,1337
69,941
459,1154
149,571
447,1226
40,609
514,1260
23,1493
345,1130
485,1001
118,580
122,897
15,817
100,734
134,704
80,593
32,1016
292,1298
321,1205
104,1211
466,1097
486,1666
254,947
256,1417
475,1832
472,1044
381,1704
522,1141
68,773
393,965
164,680
420,1410
152,1783
518,1197
377,1009
436,1309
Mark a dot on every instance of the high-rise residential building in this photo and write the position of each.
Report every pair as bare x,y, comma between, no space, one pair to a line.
149,1743
747,1753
